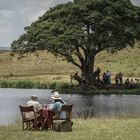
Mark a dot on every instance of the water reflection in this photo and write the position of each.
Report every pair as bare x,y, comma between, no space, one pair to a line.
110,106
84,106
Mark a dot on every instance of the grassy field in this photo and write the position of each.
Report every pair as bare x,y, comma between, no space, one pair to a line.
45,67
90,129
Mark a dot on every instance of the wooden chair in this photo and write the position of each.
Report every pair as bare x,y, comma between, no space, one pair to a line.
34,123
68,110
64,124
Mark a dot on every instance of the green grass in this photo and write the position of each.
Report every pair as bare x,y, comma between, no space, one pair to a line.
65,88
32,84
90,129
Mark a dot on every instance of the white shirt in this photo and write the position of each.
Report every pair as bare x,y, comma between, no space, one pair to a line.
37,107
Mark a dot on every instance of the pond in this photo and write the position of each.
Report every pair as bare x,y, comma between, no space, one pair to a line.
84,105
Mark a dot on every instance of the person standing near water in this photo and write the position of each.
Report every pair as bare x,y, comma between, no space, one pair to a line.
108,74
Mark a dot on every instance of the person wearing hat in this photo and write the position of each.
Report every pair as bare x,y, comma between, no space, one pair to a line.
56,104
37,106
57,98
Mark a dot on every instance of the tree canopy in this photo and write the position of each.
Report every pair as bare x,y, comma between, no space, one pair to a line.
81,29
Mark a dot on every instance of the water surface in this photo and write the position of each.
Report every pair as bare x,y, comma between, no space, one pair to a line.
84,105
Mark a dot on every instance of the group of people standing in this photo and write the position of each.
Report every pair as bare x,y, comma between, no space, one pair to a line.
106,77
55,106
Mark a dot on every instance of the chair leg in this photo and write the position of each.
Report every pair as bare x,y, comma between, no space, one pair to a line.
22,125
34,125
26,126
29,126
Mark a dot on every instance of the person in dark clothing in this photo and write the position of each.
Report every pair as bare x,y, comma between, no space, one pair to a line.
104,80
117,78
120,77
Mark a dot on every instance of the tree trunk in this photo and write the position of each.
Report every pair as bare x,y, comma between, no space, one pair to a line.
87,71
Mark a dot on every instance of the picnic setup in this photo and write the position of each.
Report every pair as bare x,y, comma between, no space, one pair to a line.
56,116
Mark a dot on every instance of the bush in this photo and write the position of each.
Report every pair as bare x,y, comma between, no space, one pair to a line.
42,85
24,84
3,84
65,85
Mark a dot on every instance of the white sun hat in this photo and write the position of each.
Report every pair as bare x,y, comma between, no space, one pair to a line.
56,95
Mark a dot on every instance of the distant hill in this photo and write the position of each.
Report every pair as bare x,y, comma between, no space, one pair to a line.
44,67
4,48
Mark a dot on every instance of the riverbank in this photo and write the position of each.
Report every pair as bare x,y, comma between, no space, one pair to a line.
90,129
101,91
68,89
43,71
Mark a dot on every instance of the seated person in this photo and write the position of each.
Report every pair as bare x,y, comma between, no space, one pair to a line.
132,84
37,107
127,82
57,105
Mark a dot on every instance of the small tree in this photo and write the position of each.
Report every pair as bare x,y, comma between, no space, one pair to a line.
79,30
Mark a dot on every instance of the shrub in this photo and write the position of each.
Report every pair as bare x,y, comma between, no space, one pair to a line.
24,84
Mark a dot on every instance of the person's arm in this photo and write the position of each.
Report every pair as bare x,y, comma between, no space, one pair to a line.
38,106
64,102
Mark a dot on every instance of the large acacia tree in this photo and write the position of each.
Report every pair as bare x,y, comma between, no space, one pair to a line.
79,30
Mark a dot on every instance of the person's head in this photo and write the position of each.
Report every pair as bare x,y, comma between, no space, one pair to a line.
34,97
76,74
56,97
127,79
131,79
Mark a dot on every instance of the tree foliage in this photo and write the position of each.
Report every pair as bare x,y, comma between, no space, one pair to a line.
81,29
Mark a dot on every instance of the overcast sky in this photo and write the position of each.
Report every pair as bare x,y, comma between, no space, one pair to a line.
16,14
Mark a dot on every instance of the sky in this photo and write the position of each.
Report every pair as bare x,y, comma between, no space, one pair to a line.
16,14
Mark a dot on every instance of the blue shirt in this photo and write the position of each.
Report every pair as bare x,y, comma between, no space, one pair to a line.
55,106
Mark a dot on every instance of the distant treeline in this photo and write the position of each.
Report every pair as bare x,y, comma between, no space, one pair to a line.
5,48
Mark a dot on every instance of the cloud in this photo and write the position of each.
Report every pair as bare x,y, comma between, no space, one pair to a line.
6,13
15,15
136,2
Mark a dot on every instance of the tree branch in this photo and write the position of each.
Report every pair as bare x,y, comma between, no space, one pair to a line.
68,57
